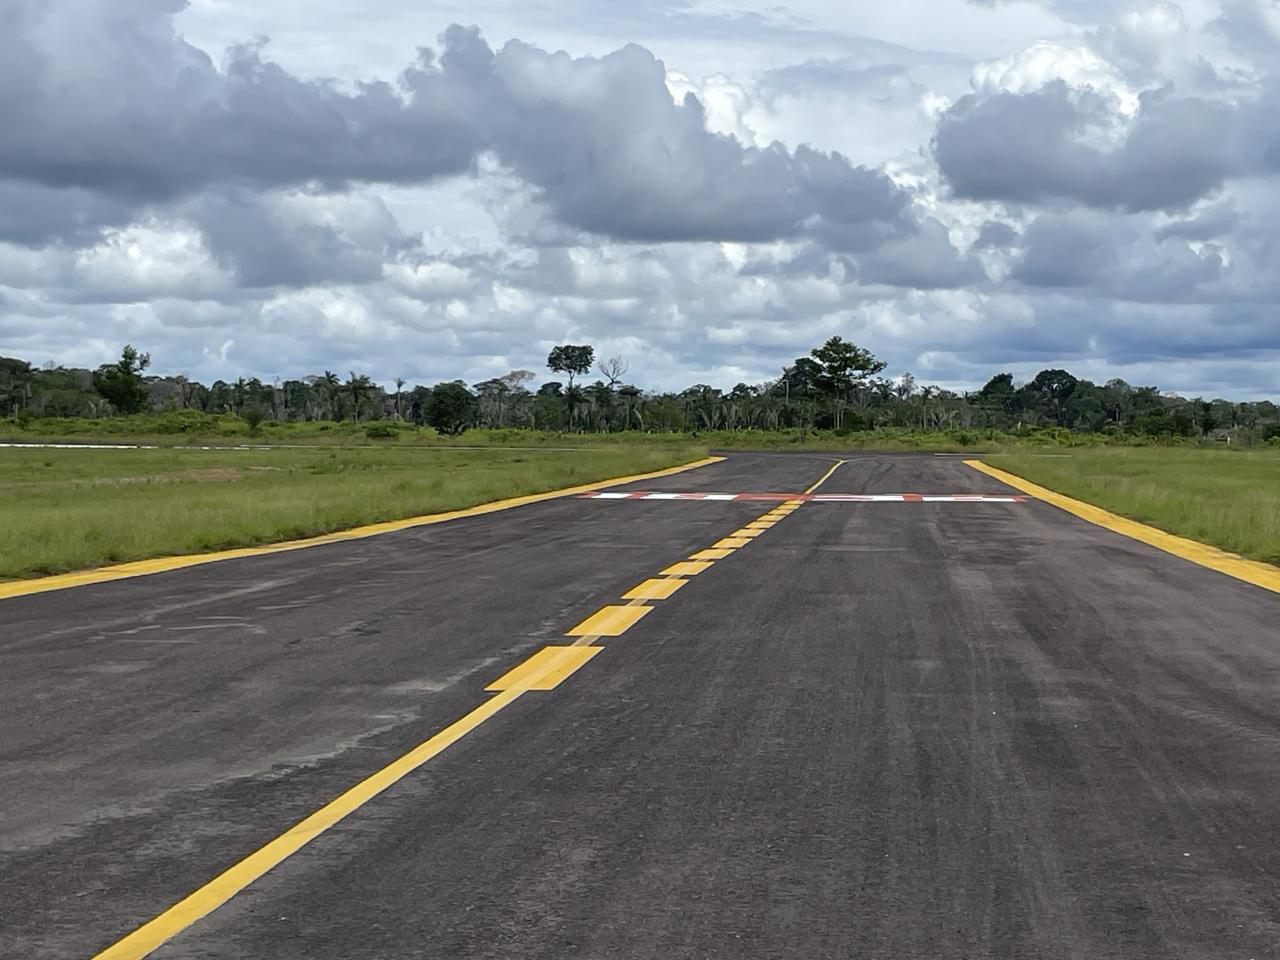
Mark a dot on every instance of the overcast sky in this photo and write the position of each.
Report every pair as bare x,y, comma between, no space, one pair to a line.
440,190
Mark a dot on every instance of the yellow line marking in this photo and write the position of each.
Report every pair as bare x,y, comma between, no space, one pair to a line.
687,568
747,532
226,885
760,526
1251,571
610,621
711,553
730,543
827,476
656,589
545,670
142,568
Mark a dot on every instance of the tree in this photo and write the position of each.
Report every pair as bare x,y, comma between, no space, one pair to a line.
613,370
630,404
329,387
450,408
549,406
253,416
400,381
571,360
905,386
845,368
359,387
121,383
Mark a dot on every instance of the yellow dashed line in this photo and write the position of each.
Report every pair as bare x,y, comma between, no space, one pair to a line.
687,568
657,589
711,553
610,621
545,670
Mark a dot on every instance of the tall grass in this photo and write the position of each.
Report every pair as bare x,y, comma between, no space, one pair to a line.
69,509
1227,498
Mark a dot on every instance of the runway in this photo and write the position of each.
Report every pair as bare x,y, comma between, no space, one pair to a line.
790,707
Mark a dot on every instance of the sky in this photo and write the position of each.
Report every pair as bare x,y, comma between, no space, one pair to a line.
433,190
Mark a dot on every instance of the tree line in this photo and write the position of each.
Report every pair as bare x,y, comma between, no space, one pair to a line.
838,386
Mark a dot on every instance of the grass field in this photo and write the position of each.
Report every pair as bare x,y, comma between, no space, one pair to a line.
64,510
187,429
1230,499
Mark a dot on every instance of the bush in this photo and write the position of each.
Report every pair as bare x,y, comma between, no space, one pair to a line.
183,421
381,430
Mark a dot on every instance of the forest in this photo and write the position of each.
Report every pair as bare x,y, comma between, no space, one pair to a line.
838,387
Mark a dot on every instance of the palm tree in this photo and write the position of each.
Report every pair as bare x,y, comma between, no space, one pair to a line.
329,390
359,387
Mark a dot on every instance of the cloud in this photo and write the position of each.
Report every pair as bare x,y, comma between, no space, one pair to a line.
1029,148
114,104
1111,189
296,238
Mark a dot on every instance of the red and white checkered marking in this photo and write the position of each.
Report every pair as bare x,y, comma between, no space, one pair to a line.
817,497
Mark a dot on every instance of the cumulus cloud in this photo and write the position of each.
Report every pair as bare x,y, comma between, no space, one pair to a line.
1029,148
1138,115
114,103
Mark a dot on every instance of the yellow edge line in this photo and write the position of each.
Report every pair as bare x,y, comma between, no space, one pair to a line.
225,886
142,568
1251,571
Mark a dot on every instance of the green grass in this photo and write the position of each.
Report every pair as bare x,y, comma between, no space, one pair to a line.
64,510
191,428
1227,498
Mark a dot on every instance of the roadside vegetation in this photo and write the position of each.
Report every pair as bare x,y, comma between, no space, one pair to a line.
837,396
192,428
1228,498
65,510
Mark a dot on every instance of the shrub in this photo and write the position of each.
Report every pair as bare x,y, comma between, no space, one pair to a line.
381,430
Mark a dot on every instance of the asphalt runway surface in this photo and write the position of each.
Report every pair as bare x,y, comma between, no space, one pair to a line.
913,729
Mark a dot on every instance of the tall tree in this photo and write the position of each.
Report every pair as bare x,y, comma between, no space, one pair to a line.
572,361
359,387
329,385
845,368
121,383
613,370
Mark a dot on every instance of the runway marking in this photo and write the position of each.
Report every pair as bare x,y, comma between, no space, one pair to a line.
610,621
545,670
793,500
142,568
1250,571
660,588
542,671
711,553
687,568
